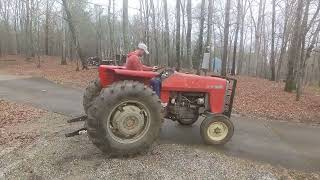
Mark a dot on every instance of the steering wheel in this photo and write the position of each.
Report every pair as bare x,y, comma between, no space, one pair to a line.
158,69
165,73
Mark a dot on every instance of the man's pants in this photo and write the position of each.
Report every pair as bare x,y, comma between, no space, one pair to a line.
155,84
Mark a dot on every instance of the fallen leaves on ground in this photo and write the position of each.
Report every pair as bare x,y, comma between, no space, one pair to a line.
13,114
255,96
261,97
51,69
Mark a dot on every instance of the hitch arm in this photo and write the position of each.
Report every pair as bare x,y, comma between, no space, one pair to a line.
77,119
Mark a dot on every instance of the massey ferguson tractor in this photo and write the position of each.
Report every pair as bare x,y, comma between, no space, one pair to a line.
124,115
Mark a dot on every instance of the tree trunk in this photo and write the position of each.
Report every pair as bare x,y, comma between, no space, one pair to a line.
285,37
226,38
167,34
32,46
111,33
16,19
250,51
125,24
319,70
233,70
47,29
257,45
178,34
147,37
241,52
155,37
74,35
188,38
27,29
200,39
64,31
113,28
209,35
294,51
98,12
182,39
214,48
38,36
272,57
307,55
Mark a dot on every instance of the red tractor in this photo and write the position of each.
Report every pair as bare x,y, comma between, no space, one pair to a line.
125,114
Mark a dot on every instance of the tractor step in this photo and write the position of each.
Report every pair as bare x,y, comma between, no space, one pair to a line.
77,132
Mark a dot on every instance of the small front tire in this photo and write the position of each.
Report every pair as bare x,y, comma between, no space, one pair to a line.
216,129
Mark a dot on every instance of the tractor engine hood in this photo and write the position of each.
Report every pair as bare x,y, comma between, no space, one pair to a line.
194,83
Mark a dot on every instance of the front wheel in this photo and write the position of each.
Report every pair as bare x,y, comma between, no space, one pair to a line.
125,119
216,129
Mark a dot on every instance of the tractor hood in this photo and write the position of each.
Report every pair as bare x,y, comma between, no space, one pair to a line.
193,83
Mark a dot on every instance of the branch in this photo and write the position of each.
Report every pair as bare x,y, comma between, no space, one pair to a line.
314,17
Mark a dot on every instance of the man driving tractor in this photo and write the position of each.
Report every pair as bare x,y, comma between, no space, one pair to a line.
133,62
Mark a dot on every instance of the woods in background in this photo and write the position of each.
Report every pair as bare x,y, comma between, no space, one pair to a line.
273,39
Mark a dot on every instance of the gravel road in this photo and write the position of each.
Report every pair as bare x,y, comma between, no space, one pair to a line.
52,156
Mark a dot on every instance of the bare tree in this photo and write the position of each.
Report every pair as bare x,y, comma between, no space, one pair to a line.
178,34
74,35
167,34
16,24
294,48
239,10
272,57
226,38
111,33
155,37
28,29
305,54
146,35
200,39
64,36
98,12
47,28
188,38
319,71
38,35
257,27
242,37
125,24
284,39
182,39
209,34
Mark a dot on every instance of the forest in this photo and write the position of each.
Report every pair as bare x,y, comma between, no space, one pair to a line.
272,39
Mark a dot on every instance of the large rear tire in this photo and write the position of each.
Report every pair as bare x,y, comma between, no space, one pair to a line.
216,129
91,92
125,119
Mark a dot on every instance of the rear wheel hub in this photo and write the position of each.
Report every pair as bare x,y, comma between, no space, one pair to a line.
128,121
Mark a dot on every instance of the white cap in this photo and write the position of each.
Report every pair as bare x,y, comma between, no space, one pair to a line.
144,47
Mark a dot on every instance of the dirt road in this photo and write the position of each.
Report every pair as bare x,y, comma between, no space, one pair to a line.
52,156
279,143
